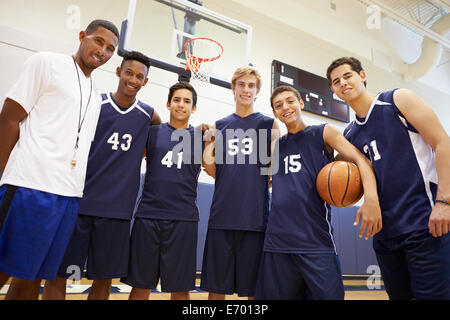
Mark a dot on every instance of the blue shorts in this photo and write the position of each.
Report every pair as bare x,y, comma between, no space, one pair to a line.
163,249
35,232
103,242
415,265
230,261
284,276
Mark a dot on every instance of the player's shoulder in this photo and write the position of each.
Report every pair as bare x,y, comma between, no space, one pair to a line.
144,105
348,130
160,127
105,97
46,59
225,120
228,118
386,97
145,108
264,118
154,132
48,55
316,130
316,127
53,57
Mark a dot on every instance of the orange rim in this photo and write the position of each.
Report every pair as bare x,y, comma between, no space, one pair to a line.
197,61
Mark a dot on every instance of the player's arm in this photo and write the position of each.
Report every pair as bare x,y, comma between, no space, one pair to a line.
339,157
156,119
370,211
209,161
422,117
32,82
275,135
10,117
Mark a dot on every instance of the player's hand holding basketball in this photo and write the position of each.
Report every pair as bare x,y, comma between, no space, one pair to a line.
370,213
439,223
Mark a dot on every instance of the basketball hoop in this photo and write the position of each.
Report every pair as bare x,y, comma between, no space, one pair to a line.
201,53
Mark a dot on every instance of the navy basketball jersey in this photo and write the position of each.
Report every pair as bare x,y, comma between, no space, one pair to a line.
113,172
403,162
241,194
299,220
174,160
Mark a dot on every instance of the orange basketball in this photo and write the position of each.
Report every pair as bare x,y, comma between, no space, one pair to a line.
339,184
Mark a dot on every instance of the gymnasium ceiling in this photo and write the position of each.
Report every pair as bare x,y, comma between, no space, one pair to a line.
414,39
417,15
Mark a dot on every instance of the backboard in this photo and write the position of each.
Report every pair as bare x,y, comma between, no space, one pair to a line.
160,28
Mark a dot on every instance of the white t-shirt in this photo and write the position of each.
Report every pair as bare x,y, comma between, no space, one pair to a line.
49,91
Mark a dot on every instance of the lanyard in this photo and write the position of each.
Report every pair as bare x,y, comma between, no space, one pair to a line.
80,120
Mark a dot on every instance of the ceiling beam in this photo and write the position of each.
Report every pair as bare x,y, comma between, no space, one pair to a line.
391,13
444,4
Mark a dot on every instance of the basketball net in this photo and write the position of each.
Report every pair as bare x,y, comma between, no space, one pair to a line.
201,55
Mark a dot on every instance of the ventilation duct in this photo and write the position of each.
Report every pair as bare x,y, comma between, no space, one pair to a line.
431,51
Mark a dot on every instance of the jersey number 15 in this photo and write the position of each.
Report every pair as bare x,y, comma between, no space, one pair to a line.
292,163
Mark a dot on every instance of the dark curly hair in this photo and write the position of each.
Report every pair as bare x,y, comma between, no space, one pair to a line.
354,63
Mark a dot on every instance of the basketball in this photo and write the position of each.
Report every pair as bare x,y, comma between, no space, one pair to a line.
339,184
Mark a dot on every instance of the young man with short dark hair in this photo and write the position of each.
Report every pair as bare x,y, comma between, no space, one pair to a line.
410,151
300,259
164,235
46,127
102,232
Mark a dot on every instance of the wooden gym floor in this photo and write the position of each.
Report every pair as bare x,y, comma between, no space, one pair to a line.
355,289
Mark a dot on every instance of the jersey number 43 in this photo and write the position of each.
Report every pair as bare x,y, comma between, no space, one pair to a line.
126,141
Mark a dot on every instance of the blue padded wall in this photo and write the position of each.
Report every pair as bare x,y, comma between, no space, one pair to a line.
355,254
204,200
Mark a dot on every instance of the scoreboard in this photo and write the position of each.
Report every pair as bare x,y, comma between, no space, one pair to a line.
314,90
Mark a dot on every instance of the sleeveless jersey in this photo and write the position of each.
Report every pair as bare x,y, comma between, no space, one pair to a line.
299,220
241,194
404,166
113,173
174,160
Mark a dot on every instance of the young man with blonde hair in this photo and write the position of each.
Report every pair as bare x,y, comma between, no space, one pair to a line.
240,205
